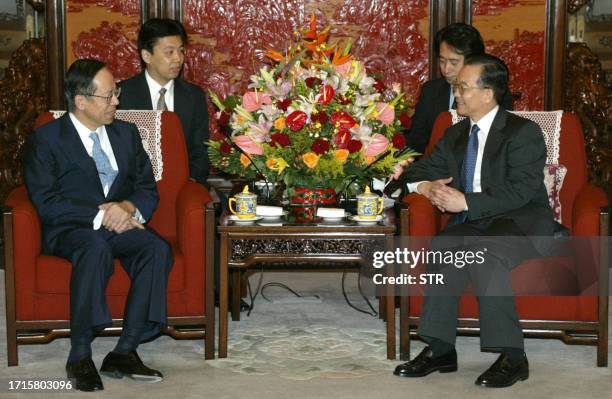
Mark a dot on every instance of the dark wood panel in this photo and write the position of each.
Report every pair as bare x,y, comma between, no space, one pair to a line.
556,28
56,52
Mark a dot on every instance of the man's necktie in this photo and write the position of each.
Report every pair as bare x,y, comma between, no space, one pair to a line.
468,169
161,103
469,161
105,170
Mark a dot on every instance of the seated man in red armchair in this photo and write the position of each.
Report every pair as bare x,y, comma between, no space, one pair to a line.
488,171
92,185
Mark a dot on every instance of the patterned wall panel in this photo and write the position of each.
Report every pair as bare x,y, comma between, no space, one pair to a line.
514,31
228,36
105,30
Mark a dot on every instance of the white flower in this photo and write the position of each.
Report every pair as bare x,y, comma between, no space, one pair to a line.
362,133
366,84
259,132
270,111
363,100
339,85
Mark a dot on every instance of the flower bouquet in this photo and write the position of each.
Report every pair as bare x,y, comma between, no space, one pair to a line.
313,119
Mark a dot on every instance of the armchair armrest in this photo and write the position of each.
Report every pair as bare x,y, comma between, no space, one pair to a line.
22,226
586,210
190,206
424,217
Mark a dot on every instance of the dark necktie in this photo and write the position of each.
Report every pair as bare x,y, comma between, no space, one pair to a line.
469,161
468,170
161,103
105,171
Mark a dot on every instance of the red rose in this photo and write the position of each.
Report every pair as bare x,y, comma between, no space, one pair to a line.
342,120
399,141
224,118
326,95
405,120
284,104
312,81
225,148
320,146
379,86
354,146
296,120
342,139
320,117
281,139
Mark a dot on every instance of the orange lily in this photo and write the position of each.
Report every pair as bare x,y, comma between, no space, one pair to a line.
274,55
339,57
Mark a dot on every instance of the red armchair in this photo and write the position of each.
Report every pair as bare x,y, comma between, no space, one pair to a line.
37,286
573,319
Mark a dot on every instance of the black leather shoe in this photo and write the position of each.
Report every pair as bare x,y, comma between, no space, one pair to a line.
116,365
503,373
425,363
85,375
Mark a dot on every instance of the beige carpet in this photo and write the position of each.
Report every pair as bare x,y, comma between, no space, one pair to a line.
312,348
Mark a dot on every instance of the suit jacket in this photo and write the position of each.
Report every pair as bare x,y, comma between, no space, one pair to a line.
434,99
63,182
512,178
189,105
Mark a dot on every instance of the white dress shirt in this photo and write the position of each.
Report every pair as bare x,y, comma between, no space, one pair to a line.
84,133
484,124
154,89
451,99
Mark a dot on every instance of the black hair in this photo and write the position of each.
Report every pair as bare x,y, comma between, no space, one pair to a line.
463,38
493,74
156,28
79,79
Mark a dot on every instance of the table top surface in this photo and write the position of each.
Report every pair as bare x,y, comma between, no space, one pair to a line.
288,225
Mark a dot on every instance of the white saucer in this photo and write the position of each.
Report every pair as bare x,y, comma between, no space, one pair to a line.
366,222
272,218
237,220
331,219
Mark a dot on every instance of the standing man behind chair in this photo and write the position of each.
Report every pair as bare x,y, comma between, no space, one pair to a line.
453,45
488,171
92,184
161,43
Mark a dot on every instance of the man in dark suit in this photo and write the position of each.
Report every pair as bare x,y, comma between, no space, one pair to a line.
161,43
453,44
488,171
92,184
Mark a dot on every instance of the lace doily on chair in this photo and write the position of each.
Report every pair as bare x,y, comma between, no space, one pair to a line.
149,126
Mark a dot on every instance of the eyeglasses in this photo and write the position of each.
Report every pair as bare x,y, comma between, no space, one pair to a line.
116,93
461,89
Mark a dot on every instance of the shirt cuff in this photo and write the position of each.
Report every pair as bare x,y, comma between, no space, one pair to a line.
97,222
412,187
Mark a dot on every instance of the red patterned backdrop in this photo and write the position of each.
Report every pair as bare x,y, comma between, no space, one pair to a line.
105,30
228,37
514,31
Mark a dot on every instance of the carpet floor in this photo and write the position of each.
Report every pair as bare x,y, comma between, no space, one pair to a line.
310,347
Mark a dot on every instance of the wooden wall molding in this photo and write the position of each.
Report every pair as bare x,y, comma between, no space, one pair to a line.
588,96
56,52
23,95
556,32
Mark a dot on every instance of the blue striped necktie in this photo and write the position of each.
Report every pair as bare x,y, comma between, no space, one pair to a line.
105,170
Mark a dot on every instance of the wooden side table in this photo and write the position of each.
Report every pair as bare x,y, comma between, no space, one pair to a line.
304,243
